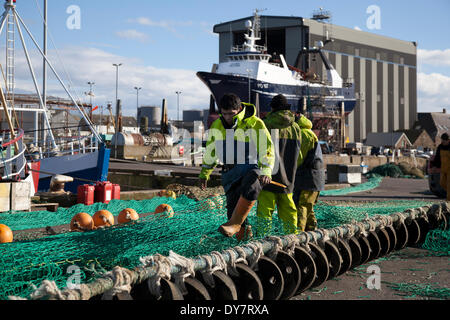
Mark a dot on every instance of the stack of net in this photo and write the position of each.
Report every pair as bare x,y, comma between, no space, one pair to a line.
192,231
400,170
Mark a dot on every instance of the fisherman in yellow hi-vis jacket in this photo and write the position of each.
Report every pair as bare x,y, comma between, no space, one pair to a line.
310,177
240,141
442,160
286,136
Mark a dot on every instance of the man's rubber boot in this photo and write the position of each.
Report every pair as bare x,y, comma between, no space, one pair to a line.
244,234
240,213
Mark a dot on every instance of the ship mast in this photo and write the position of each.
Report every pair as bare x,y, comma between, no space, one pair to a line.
12,15
10,18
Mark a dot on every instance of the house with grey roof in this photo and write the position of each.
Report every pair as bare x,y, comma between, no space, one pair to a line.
435,123
419,139
392,140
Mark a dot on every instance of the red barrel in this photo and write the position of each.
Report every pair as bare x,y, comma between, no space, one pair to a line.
103,191
85,194
116,192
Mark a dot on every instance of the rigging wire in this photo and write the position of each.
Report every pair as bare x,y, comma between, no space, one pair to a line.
69,79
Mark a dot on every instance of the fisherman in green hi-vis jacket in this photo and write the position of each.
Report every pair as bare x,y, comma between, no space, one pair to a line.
240,141
286,134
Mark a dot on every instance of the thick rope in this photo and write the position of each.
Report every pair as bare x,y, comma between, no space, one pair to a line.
163,268
257,253
278,245
400,218
292,241
361,229
372,224
207,273
122,279
50,291
324,236
187,269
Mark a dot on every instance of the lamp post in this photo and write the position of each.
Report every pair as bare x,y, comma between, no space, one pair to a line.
137,104
117,78
178,103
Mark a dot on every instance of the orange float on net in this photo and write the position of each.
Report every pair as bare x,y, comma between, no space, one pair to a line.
165,208
103,218
127,215
167,194
218,201
6,235
208,204
82,222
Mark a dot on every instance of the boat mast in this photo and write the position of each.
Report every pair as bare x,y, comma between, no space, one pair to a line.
10,10
10,18
44,66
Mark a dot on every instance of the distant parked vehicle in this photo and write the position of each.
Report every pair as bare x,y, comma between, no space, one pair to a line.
326,148
434,175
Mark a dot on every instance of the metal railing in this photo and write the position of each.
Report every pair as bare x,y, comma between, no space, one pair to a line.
242,48
69,146
13,161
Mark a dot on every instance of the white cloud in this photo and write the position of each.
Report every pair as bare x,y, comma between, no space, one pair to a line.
133,35
434,57
166,24
433,92
93,64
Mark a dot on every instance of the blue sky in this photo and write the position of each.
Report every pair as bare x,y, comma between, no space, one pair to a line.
163,43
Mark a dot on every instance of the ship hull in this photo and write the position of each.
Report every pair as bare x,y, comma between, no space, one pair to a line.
89,167
299,97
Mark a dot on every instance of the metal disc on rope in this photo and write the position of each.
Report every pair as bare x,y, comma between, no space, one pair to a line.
123,296
307,267
365,249
334,259
392,238
434,221
248,284
322,264
271,278
291,274
443,223
169,291
346,255
224,287
413,232
424,229
355,248
446,216
196,291
385,244
375,245
402,235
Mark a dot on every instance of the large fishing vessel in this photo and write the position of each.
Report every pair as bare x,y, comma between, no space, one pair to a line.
256,77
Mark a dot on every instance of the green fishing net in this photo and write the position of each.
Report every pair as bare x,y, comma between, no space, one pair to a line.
190,232
373,182
400,170
424,290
